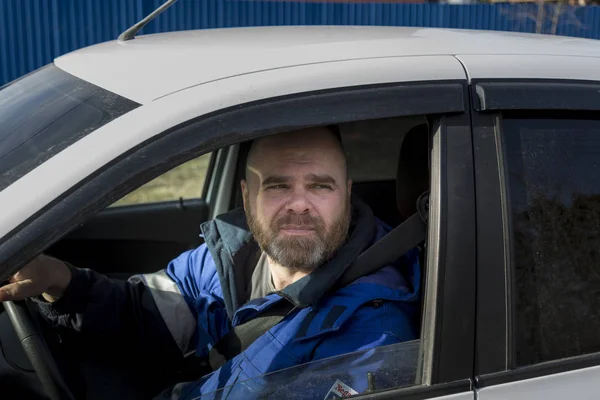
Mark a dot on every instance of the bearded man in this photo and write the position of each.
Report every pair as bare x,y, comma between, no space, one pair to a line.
299,230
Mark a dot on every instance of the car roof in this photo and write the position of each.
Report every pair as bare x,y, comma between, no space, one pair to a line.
153,66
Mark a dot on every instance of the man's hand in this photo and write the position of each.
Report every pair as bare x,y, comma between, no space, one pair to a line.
44,275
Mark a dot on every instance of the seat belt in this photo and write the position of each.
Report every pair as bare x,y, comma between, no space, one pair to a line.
399,241
243,335
387,250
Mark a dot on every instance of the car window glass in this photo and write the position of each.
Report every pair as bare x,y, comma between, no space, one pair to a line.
372,150
45,112
553,170
185,181
372,147
337,377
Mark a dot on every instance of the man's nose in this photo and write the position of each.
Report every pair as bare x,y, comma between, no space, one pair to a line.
298,202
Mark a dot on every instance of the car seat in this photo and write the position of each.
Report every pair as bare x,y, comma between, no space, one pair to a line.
412,176
412,187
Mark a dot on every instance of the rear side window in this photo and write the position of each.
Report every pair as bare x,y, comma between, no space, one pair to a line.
183,182
45,112
553,179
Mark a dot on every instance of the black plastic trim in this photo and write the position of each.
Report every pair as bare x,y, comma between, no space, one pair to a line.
220,157
535,94
207,133
209,172
420,392
538,370
491,331
455,326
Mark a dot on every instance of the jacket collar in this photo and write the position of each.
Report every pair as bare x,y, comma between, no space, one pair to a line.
231,245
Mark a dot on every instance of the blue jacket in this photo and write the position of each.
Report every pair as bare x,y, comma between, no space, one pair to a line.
203,293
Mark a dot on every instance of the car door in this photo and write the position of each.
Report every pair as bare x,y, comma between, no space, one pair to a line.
537,155
441,365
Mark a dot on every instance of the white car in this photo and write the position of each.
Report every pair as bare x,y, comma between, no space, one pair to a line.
500,131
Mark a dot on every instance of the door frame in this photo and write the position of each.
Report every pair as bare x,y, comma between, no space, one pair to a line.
450,361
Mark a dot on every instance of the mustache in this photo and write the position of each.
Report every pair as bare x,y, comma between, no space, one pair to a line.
299,220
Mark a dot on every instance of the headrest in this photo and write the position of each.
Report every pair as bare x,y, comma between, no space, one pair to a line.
412,176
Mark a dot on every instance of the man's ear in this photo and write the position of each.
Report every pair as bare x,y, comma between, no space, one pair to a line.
349,187
244,186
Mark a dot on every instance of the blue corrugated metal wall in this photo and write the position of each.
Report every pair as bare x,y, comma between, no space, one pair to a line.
33,32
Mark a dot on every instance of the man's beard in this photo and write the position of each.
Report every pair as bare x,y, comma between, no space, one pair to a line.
301,252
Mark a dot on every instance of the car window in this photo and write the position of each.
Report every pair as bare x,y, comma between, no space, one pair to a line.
373,147
45,112
376,369
372,150
553,177
185,181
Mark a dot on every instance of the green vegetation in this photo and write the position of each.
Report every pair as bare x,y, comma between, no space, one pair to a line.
185,181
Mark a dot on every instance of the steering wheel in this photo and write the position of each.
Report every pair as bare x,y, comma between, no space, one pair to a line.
37,351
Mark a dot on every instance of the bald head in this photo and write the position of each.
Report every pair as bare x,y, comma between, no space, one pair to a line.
306,141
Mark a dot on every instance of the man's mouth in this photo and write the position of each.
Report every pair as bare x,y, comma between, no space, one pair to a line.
297,229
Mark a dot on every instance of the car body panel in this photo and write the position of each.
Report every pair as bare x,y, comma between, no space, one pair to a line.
57,175
459,396
152,66
581,384
531,67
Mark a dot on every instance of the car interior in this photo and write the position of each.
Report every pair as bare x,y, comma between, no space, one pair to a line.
143,238
387,159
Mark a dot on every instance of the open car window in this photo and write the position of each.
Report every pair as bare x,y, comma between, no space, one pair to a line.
366,371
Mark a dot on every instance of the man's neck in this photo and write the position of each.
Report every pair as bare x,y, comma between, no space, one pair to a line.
284,276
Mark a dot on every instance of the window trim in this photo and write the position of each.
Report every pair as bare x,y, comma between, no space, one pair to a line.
234,125
491,332
451,264
209,173
223,193
432,303
421,392
538,370
457,253
542,94
496,351
210,184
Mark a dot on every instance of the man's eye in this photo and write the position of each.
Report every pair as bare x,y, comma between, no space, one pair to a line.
321,186
280,186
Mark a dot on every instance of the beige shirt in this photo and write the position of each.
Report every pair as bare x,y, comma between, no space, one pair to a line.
262,281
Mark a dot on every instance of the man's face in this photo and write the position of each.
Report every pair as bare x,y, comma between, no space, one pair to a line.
297,197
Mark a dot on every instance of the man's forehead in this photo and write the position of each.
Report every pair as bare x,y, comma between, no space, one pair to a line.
309,148
294,155
291,168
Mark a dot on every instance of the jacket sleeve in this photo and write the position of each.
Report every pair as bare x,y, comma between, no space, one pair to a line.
148,312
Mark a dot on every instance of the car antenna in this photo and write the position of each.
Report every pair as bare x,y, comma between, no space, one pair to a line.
130,32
